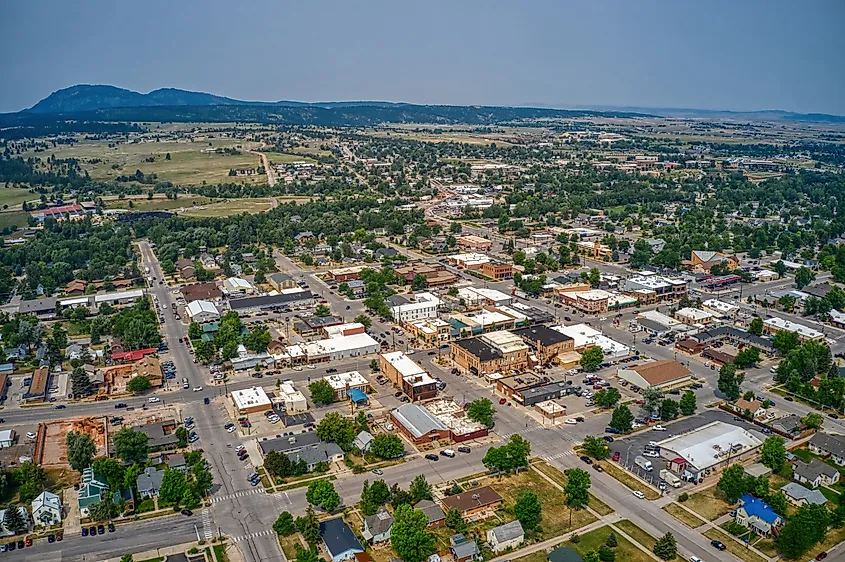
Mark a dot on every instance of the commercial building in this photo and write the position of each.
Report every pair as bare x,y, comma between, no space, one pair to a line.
472,260
42,308
47,509
418,425
161,435
454,417
346,273
407,308
490,353
293,400
237,286
550,409
736,336
435,275
720,309
665,374
314,325
694,316
248,305
709,446
546,344
655,288
497,270
484,320
339,330
406,374
431,331
251,400
775,324
475,243
208,291
592,301
37,391
542,393
7,438
480,296
201,311
585,336
339,348
658,324
348,385
281,281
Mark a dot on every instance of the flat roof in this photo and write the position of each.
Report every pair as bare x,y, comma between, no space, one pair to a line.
711,444
406,366
268,300
800,329
250,397
505,341
542,334
340,381
108,297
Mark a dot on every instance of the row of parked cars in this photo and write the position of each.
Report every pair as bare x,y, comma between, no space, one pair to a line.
95,530
447,453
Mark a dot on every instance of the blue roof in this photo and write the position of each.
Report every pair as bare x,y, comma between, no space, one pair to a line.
356,395
758,508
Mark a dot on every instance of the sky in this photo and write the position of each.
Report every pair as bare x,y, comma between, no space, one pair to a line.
745,55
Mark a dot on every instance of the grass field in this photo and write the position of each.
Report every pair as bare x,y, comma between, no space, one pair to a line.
630,480
288,545
279,158
625,549
560,478
706,504
230,207
13,218
683,515
14,196
158,203
638,535
734,547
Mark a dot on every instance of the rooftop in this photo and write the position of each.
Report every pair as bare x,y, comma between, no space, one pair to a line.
250,397
711,444
417,419
542,335
340,381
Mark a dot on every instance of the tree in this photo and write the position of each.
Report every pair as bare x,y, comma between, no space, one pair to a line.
803,530
420,489
729,381
278,464
653,398
785,341
322,392
813,420
577,490
112,470
756,327
194,331
80,384
611,540
127,557
322,493
511,456
778,502
803,277
687,403
322,310
622,420
205,351
419,282
455,521
309,526
592,556
409,537
666,547
190,499
527,510
596,447
306,554
284,524
103,510
80,450
398,496
387,446
773,453
336,428
30,480
591,358
173,486
364,320
780,268
131,446
13,520
607,398
374,496
481,411
138,384
668,409
182,436
733,482
747,357
258,339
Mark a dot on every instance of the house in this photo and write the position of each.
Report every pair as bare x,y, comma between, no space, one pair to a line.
94,489
377,527
176,461
475,501
4,532
790,424
363,441
798,495
281,281
433,512
828,445
7,438
47,509
316,454
339,540
755,514
564,554
752,406
815,473
462,549
161,435
16,353
149,482
74,351
503,537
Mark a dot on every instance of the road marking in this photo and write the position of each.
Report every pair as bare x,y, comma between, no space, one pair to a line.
524,431
207,529
264,533
559,455
237,495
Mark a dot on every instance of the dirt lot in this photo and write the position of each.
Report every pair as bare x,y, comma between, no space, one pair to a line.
55,452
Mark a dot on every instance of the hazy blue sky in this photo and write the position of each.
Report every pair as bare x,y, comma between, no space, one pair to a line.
740,54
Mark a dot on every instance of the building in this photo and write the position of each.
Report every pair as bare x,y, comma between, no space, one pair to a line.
734,335
418,424
716,444
585,337
281,281
314,325
665,374
201,311
462,549
208,291
345,274
546,344
470,260
161,435
118,299
454,417
406,374
431,331
407,308
251,400
496,270
7,438
655,288
753,407
694,316
658,324
815,473
43,309
704,260
828,445
435,274
132,356
474,243
339,540
248,305
95,489
542,393
491,353
351,384
480,296
37,391
377,527
47,509
149,482
775,324
592,301
293,400
363,441
790,425
798,495
720,309
237,286
289,444
473,502
339,348
755,514
433,512
348,329
316,454
510,535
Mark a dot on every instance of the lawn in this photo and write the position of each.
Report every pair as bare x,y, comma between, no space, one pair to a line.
637,534
14,196
767,547
630,480
230,207
735,548
159,203
220,552
834,537
560,478
683,515
288,545
540,556
13,219
707,504
625,550
279,158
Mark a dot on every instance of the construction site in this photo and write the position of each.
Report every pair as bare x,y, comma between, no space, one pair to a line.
50,448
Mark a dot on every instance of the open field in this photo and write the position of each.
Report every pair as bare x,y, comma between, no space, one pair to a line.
683,515
706,504
279,158
560,478
638,535
625,549
288,545
13,219
158,203
229,207
466,138
14,196
734,547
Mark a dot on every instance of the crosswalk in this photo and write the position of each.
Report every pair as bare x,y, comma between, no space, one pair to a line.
255,535
207,528
531,429
240,494
558,455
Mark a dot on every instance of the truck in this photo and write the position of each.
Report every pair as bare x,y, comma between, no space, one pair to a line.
670,478
643,463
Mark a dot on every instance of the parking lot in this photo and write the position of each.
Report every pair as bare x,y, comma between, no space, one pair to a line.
23,448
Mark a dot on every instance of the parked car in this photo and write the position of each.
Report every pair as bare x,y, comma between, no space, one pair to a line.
432,457
586,459
718,544
638,494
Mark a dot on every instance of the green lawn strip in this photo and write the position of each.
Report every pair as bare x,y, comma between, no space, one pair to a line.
630,480
625,550
707,504
560,479
735,548
683,515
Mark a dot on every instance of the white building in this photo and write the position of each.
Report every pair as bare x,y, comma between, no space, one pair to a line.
343,382
693,316
249,400
47,509
123,297
584,336
237,286
709,446
470,260
293,399
342,347
719,308
417,307
202,311
775,324
341,330
476,296
510,535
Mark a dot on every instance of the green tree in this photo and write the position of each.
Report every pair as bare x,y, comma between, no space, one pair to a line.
374,496
592,556
455,521
577,490
785,341
409,537
591,358
80,450
622,420
806,528
666,547
182,436
733,482
387,446
606,554
747,357
773,453
112,470
138,384
668,409
596,447
337,428
322,392
509,457
278,464
322,493
190,499
803,277
653,398
420,489
687,403
322,310
594,277
173,486
13,520
365,320
813,420
126,558
103,510
780,268
30,480
778,502
308,526
419,282
205,351
284,524
258,339
194,331
729,381
131,446
607,398
481,411
527,510
306,554
756,327
80,384
611,540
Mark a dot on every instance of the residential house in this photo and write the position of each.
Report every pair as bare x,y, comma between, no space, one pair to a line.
433,512
828,445
149,482
755,514
798,495
751,407
176,461
463,549
790,425
16,353
47,509
474,501
815,473
161,436
339,540
4,532
503,537
377,527
74,351
94,489
363,441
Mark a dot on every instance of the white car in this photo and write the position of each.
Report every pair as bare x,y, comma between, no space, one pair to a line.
638,494
239,448
197,389
298,368
30,435
651,453
231,429
658,428
153,399
312,367
571,421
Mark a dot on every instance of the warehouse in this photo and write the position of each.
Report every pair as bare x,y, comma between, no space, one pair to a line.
201,311
341,347
419,425
268,302
717,444
665,374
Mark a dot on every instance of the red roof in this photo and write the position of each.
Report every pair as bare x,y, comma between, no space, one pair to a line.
133,355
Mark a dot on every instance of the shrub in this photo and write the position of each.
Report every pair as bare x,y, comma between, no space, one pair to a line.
683,497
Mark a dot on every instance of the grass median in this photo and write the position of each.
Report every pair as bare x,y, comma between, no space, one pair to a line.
735,548
683,515
560,479
630,480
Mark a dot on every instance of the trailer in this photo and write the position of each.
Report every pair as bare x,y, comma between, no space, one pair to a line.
670,478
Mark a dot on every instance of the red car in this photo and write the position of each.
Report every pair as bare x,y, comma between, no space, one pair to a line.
616,456
502,400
